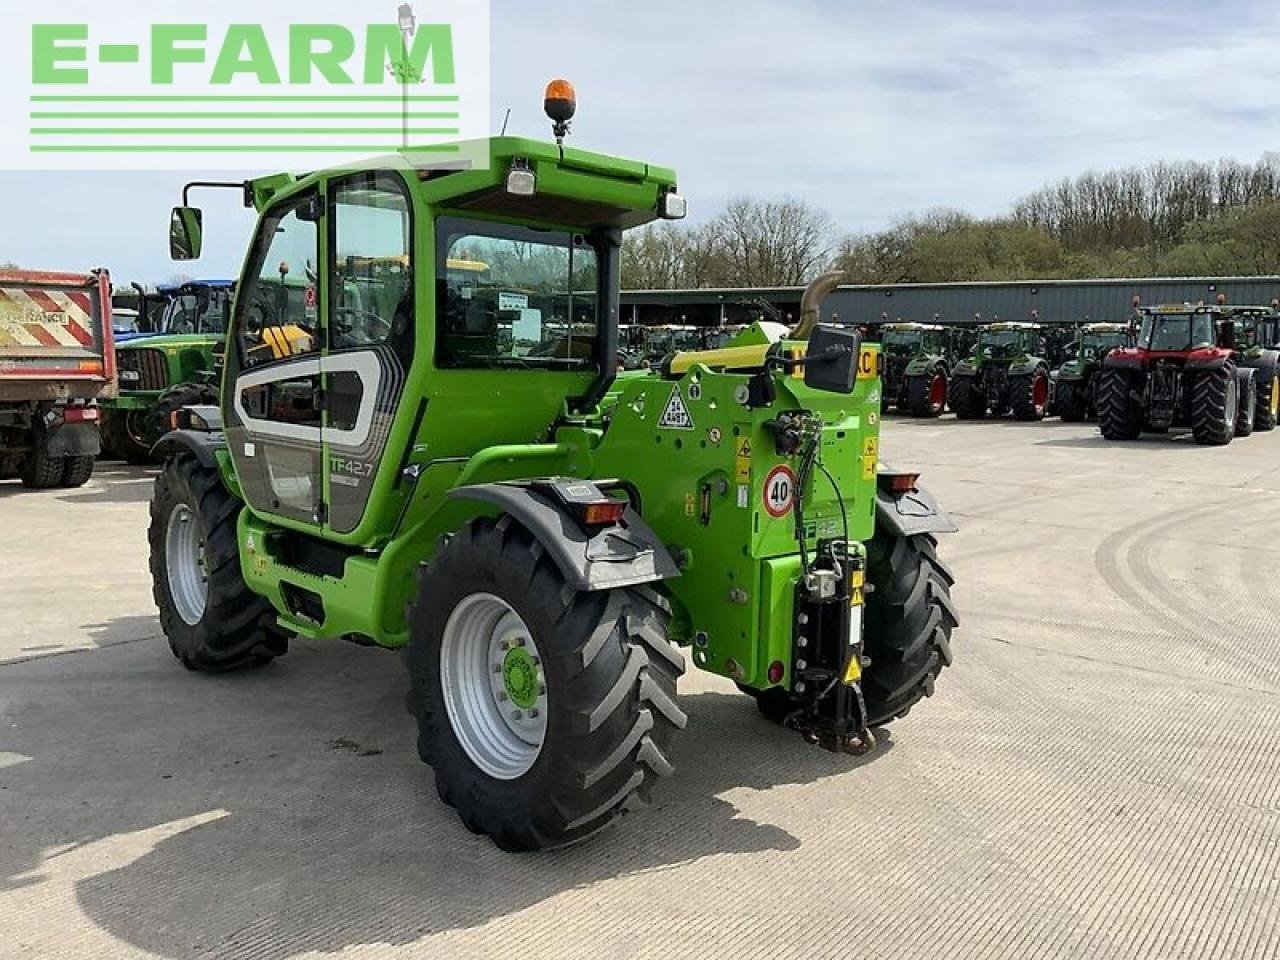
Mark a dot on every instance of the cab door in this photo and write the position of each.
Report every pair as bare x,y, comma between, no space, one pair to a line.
369,346
273,389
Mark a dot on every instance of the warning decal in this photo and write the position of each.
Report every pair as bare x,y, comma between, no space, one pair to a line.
779,491
676,415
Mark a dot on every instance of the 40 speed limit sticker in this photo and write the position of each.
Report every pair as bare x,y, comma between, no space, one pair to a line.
779,491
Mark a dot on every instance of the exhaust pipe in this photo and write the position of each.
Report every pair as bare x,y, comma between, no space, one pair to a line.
810,303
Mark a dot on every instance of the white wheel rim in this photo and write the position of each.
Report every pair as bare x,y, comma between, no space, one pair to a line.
494,687
1233,401
185,565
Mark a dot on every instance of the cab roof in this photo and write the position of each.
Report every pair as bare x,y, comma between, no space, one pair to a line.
574,187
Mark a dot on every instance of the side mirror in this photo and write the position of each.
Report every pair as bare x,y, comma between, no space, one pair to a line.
186,233
831,362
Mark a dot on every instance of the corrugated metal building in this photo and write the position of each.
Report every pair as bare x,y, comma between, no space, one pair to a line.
1062,301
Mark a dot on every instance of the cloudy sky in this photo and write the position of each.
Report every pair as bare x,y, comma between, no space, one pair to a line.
871,110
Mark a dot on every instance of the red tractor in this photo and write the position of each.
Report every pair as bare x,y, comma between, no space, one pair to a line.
1182,372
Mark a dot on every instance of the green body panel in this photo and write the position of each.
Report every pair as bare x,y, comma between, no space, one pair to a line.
189,358
701,489
1091,347
1021,358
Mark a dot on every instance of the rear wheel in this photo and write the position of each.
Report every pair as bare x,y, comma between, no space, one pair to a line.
76,471
123,436
966,399
907,635
213,620
927,394
1246,391
910,618
1119,414
40,471
1215,405
1072,401
1029,395
545,712
1267,387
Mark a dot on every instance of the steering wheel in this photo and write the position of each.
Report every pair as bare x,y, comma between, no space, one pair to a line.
376,329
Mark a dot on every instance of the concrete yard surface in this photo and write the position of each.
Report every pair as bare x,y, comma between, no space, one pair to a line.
1097,776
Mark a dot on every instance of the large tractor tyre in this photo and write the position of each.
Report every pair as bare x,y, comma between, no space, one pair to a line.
214,622
909,620
1120,416
966,400
1247,410
76,471
1267,387
1215,406
160,420
927,394
122,437
545,712
1029,395
1072,402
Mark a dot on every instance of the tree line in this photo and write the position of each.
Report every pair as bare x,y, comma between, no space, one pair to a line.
1165,219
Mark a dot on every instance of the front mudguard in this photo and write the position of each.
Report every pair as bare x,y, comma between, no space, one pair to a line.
1028,367
615,556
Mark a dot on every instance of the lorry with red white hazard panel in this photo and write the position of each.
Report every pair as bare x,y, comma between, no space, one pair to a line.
57,359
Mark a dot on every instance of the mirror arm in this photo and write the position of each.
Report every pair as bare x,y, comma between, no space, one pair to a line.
245,186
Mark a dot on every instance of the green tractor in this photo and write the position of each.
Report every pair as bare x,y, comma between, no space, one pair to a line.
1006,372
1255,339
1075,398
917,367
160,374
539,531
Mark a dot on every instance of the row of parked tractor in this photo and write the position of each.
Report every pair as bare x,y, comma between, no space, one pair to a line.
1213,369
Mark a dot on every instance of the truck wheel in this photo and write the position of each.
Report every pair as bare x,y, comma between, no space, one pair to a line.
159,420
1267,385
1215,406
1073,402
910,617
545,712
927,395
1029,395
39,470
966,400
1247,393
214,622
1119,416
76,471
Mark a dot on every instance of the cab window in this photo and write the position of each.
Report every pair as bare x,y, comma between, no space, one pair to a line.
372,291
278,306
510,296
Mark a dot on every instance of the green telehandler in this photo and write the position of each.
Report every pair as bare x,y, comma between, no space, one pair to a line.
457,468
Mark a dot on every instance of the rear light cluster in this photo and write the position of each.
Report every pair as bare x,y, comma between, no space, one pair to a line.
900,484
79,414
600,513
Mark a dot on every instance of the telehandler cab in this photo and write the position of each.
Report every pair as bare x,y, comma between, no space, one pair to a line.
455,466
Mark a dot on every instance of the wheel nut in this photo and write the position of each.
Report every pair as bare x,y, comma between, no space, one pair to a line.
497,668
533,713
502,696
517,715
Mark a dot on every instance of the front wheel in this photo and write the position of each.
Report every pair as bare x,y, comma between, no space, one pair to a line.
1247,409
213,621
545,712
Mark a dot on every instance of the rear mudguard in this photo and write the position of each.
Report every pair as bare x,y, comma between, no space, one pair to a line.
1213,358
911,513
74,440
615,556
